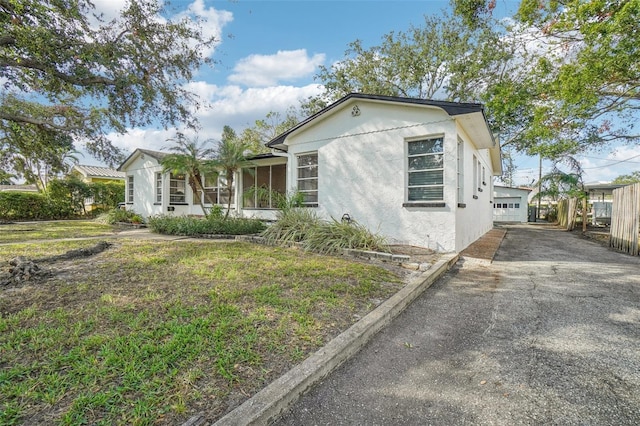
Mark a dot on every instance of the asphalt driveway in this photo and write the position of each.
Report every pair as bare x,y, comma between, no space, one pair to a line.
549,333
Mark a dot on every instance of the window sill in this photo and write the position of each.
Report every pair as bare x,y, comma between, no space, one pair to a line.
423,204
178,204
475,197
129,202
462,205
157,204
310,205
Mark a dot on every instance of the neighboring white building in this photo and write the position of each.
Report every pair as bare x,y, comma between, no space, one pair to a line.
418,171
510,204
601,201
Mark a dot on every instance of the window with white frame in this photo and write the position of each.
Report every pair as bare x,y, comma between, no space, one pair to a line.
129,189
426,170
215,187
460,171
177,189
158,188
308,178
475,177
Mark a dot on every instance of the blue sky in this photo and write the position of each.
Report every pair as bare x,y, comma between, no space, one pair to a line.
270,51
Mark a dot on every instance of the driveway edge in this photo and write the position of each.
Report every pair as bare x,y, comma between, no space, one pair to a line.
273,400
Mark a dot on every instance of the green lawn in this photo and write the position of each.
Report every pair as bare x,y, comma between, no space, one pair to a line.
152,332
52,230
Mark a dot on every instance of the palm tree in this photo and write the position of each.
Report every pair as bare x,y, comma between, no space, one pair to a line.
193,159
229,157
558,184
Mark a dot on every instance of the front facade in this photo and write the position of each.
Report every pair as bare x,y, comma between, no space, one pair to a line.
418,172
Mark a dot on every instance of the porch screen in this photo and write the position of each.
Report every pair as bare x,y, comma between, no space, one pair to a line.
264,186
426,170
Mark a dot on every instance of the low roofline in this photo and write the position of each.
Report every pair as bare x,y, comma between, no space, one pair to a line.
451,108
158,155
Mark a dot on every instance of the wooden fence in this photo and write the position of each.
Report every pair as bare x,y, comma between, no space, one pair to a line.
625,219
567,211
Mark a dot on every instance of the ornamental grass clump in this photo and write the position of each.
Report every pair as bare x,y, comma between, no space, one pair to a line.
333,236
292,226
303,225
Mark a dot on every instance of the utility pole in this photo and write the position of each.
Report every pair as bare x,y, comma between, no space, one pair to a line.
539,187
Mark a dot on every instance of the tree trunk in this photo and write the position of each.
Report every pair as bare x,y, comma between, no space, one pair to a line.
197,186
229,187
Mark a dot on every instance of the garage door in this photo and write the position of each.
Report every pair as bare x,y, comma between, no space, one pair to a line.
508,210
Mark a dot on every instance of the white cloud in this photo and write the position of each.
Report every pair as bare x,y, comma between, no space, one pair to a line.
622,161
212,21
229,105
268,70
109,9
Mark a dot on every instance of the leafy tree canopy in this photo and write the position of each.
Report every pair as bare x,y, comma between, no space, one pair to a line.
68,73
442,59
582,86
633,177
264,130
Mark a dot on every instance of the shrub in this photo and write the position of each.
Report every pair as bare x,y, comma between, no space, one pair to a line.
114,216
24,206
67,197
107,195
186,225
292,225
333,236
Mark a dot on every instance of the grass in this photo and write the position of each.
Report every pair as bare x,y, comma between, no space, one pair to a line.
52,230
152,332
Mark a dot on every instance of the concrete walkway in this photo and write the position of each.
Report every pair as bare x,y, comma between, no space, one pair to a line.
549,333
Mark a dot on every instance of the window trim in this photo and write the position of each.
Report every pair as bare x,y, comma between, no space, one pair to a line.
424,202
308,179
176,178
158,187
130,189
460,172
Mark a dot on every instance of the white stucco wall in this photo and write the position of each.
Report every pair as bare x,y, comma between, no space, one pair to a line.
474,216
362,164
143,169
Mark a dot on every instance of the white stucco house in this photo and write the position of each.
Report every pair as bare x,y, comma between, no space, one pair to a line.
417,171
510,204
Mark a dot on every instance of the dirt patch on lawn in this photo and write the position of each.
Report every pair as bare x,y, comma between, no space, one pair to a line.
22,270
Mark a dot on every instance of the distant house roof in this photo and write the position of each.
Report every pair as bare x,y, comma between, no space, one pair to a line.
22,188
600,185
98,172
